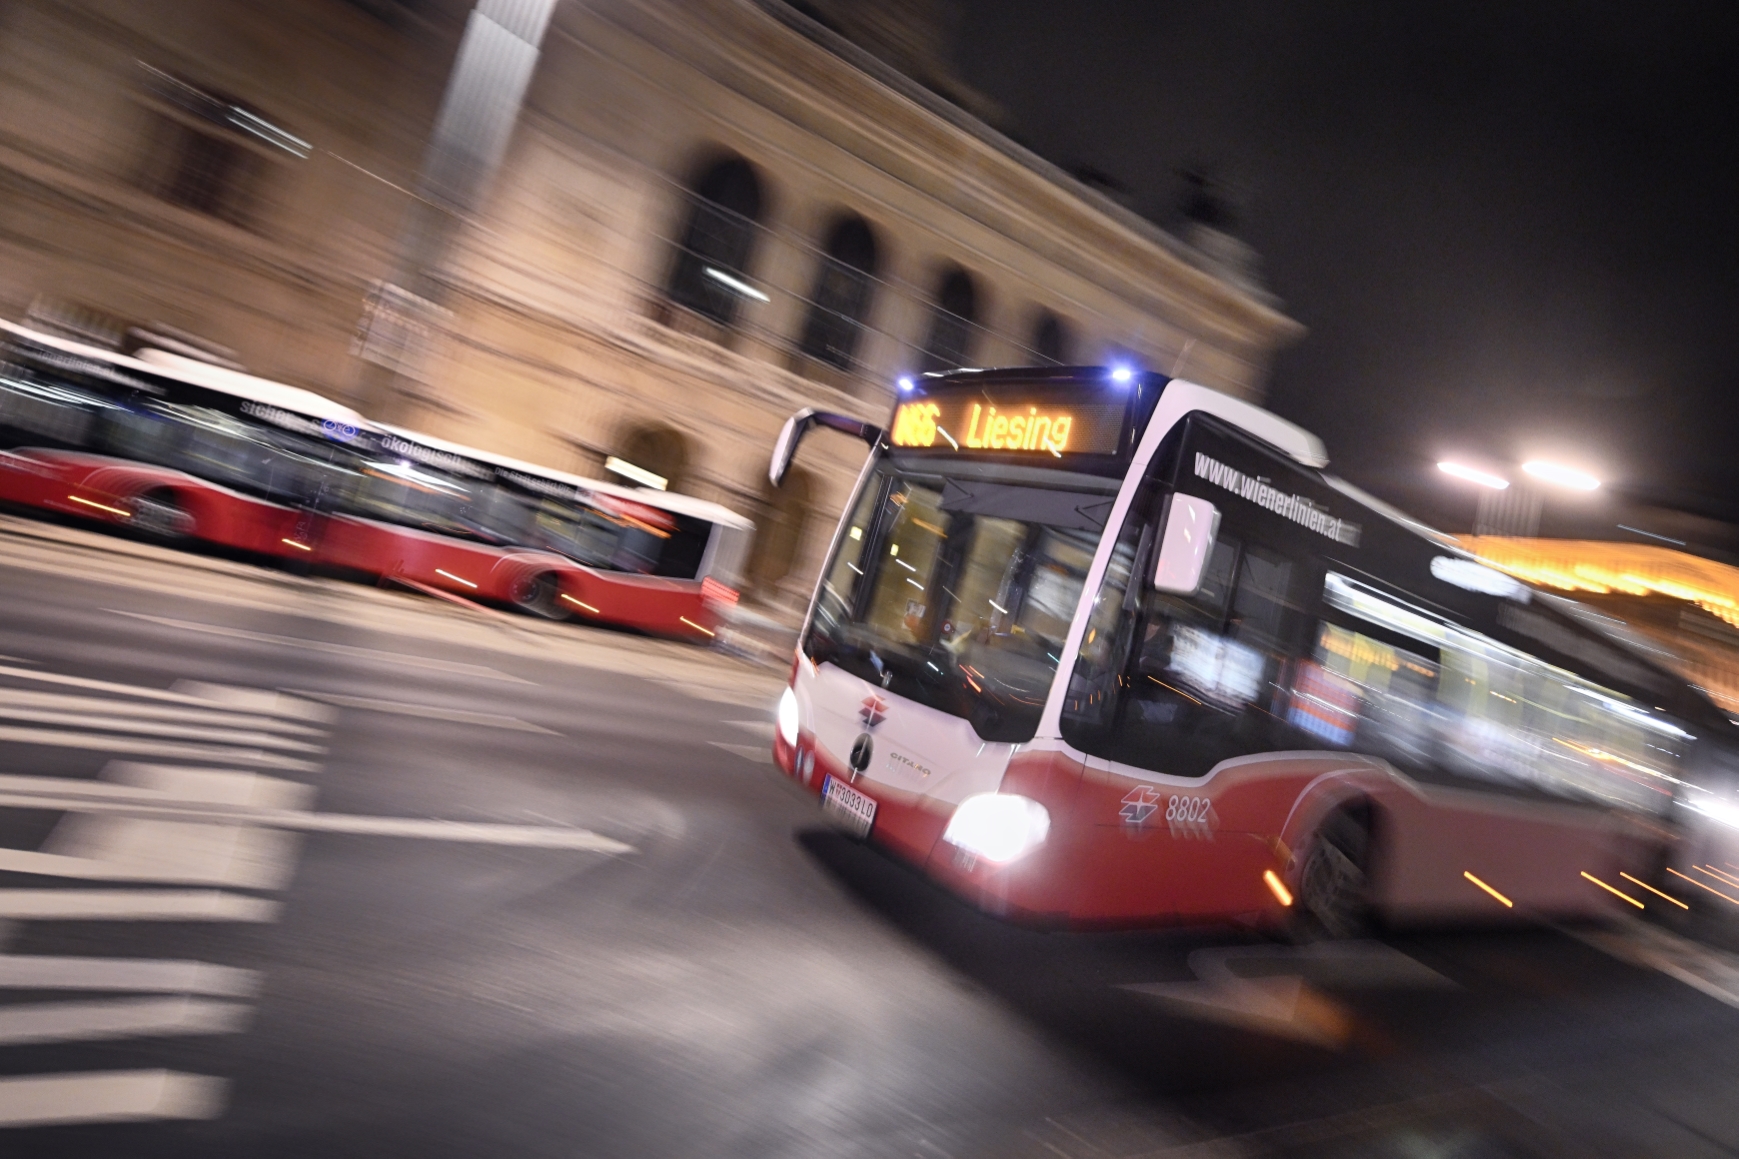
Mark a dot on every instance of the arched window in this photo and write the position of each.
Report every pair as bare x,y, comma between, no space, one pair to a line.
841,299
1051,340
952,321
712,259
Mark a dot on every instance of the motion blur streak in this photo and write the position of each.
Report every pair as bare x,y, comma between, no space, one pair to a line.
1653,890
1277,887
1612,890
1506,902
1700,885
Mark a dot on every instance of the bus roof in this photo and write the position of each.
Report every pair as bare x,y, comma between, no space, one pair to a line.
666,500
162,364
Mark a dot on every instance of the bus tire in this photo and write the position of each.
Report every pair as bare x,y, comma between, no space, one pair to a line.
540,595
1334,888
157,516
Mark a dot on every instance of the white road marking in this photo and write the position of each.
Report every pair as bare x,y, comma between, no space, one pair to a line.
473,832
124,905
759,753
235,698
151,975
137,727
130,690
401,658
121,1096
426,711
119,1018
758,727
96,847
147,710
126,781
110,742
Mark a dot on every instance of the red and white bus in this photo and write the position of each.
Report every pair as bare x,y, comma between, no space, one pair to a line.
1093,647
445,517
168,447
184,451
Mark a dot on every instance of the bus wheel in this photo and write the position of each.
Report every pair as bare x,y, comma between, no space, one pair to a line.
1334,888
156,515
540,595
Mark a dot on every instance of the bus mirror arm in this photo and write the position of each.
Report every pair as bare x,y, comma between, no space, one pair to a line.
1187,530
799,425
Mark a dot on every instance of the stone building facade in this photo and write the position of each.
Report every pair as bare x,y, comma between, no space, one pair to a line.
709,214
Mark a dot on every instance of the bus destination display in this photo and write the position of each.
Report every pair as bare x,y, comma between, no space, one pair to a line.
1031,421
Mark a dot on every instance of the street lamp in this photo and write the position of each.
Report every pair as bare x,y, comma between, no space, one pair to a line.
1483,478
1561,476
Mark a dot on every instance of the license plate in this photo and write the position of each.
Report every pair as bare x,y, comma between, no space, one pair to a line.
847,808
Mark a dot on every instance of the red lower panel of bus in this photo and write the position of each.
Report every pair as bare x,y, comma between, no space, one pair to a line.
1126,851
111,491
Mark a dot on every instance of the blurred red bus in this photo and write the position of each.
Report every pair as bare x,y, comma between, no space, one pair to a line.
443,516
183,451
1096,647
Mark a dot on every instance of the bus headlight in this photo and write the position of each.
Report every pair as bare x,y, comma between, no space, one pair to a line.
998,827
788,717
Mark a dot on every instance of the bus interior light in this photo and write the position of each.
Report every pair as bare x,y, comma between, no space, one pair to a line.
999,827
788,716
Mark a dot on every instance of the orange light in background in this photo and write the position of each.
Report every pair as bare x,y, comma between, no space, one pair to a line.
1614,892
1653,890
102,507
1507,903
1277,887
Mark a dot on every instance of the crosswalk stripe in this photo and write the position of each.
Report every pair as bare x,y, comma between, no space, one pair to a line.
40,1022
169,905
399,659
111,742
136,727
127,781
151,975
28,699
131,691
427,711
472,832
121,1096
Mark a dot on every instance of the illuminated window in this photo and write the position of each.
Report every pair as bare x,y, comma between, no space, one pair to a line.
953,321
710,274
840,302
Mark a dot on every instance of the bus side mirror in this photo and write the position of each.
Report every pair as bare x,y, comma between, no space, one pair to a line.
799,424
1186,540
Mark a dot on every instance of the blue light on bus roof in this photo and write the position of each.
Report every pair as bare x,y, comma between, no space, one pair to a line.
1121,374
906,382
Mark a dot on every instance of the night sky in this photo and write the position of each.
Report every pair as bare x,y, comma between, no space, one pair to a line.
1510,226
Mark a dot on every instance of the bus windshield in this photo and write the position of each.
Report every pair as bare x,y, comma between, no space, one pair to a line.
954,586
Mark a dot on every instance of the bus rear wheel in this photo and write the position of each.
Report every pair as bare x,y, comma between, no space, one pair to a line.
1334,894
541,595
156,515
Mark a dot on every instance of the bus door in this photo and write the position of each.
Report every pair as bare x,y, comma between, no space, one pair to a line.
1176,692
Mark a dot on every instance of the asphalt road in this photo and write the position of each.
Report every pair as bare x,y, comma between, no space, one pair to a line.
294,868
